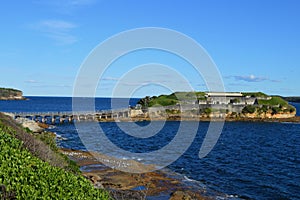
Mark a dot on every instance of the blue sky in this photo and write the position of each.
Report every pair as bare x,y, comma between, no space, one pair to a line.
255,44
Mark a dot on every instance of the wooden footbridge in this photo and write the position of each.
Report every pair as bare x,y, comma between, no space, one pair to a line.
62,117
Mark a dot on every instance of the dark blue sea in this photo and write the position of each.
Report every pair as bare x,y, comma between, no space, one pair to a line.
251,160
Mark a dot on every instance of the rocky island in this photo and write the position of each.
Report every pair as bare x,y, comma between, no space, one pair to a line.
214,105
11,94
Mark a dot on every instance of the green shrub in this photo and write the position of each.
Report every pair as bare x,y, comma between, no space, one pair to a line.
263,109
291,108
207,111
173,111
28,130
276,110
162,102
235,100
234,114
249,109
49,139
28,177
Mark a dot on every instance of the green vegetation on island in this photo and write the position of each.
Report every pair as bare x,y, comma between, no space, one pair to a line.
255,94
273,105
24,173
188,97
233,104
172,99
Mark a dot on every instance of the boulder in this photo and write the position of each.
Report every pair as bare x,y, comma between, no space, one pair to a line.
180,195
31,125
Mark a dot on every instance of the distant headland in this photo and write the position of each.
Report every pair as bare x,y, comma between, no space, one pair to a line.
11,94
292,99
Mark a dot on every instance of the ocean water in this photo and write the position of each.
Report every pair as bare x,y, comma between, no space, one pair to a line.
297,106
55,104
251,160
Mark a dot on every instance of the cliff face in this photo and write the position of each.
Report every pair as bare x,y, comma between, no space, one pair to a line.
11,94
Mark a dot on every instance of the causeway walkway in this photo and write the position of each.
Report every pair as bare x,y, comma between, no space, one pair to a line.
62,117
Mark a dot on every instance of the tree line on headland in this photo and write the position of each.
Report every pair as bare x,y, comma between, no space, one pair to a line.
292,99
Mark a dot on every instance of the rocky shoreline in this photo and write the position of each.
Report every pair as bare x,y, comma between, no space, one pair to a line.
124,185
295,119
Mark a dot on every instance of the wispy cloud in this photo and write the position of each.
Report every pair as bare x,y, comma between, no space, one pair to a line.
135,83
31,81
109,79
57,25
127,82
251,78
238,84
53,86
66,6
79,2
275,81
58,30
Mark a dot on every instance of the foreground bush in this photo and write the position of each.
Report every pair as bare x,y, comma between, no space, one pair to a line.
25,176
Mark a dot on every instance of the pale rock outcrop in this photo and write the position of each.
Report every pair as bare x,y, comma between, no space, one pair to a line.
31,125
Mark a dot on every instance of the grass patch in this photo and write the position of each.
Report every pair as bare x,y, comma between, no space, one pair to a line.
171,99
255,94
274,101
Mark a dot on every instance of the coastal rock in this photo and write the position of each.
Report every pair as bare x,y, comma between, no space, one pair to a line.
187,195
136,113
180,195
31,125
123,185
93,177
